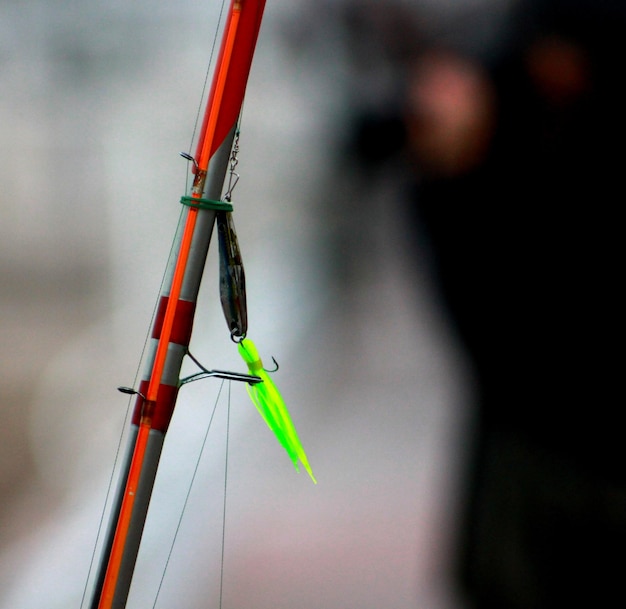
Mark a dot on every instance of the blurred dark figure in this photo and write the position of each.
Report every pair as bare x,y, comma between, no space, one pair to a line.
518,183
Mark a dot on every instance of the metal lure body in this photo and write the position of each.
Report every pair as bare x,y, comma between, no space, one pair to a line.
232,277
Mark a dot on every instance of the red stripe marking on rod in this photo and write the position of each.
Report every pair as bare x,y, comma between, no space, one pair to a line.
182,324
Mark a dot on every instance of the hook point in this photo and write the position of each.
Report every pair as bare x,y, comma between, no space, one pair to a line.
276,366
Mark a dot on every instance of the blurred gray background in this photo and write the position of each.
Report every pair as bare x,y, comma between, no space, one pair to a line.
96,101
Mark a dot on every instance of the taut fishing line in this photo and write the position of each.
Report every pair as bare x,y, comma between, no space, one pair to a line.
147,337
225,495
203,94
188,494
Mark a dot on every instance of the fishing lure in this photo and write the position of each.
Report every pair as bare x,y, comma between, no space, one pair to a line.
232,277
263,391
271,406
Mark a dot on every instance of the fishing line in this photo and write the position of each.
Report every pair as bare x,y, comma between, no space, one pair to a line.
193,477
204,86
225,494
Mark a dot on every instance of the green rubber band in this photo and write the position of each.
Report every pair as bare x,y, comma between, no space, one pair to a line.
206,204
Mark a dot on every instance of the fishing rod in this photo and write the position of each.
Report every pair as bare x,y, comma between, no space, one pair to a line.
204,207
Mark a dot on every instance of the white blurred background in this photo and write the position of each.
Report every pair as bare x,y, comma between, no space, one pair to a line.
96,101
